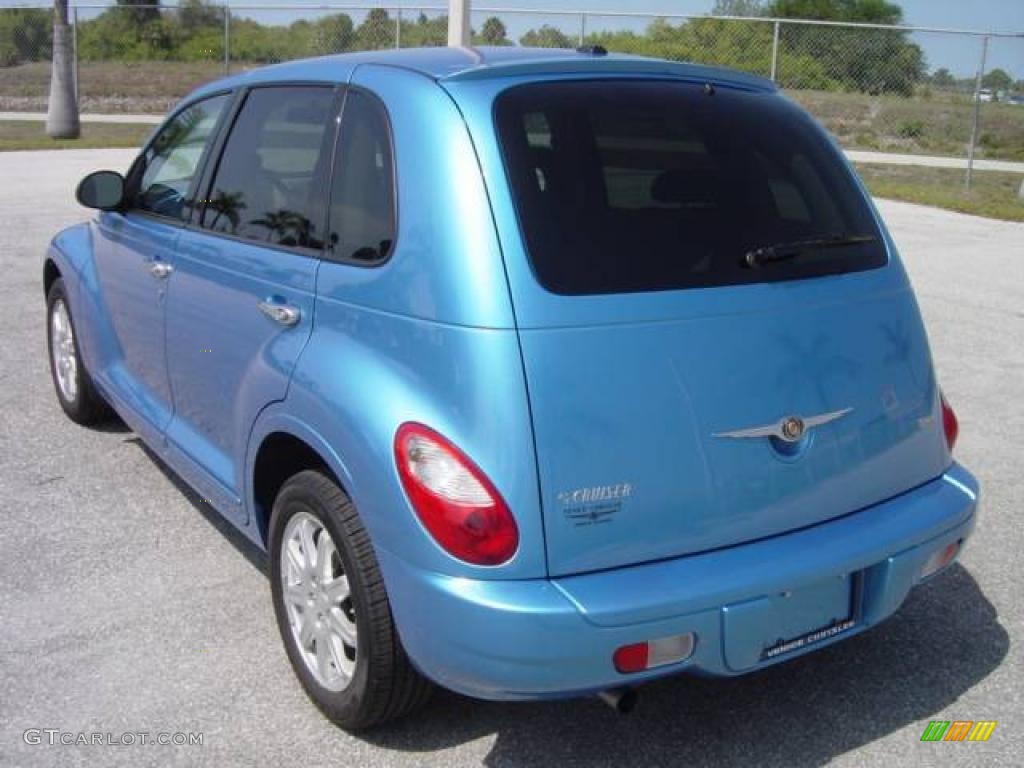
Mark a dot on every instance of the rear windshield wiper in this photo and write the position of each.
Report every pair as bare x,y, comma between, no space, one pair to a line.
767,254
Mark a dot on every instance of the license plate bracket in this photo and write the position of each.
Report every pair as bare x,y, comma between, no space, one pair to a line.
775,625
813,614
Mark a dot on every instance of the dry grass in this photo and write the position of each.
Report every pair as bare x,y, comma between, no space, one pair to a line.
992,194
932,122
25,134
109,87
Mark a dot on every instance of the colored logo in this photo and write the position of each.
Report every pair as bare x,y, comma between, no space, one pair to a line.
958,730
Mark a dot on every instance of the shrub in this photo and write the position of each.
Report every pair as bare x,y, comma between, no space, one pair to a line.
910,129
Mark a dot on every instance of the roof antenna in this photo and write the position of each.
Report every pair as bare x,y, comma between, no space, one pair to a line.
709,89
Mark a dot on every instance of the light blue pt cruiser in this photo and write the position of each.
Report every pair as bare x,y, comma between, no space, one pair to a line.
536,373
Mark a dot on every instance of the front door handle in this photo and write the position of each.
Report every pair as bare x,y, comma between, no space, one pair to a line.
160,269
283,314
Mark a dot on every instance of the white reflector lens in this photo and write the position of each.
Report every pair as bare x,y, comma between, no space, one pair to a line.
443,474
940,559
669,650
637,657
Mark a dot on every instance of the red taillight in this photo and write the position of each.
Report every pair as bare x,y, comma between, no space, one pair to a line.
453,499
631,658
949,423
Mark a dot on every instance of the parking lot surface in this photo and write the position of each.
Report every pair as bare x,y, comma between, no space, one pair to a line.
127,606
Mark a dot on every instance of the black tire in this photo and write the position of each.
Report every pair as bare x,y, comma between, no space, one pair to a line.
384,685
87,406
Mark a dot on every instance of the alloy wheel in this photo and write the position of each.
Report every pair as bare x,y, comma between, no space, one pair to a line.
318,601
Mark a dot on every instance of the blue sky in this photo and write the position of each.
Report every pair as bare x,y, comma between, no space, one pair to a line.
957,53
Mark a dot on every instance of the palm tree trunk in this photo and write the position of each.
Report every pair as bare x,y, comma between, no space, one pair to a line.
62,116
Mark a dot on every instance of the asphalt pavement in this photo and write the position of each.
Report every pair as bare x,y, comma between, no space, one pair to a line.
127,606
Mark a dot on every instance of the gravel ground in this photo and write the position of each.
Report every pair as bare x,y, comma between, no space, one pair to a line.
128,606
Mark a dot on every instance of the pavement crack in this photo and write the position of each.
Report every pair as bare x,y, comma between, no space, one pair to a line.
48,480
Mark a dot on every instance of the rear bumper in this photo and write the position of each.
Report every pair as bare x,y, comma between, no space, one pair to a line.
547,638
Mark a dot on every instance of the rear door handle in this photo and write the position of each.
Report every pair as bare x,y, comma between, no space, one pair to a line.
284,314
160,269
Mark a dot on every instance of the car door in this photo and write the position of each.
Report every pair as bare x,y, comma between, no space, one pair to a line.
135,250
240,308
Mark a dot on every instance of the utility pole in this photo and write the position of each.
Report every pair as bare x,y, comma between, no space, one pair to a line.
458,22
977,113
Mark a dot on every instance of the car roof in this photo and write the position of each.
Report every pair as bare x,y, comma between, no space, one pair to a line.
454,64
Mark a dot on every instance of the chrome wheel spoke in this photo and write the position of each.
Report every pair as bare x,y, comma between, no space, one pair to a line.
296,594
342,662
325,551
323,655
337,590
306,532
307,632
295,560
343,627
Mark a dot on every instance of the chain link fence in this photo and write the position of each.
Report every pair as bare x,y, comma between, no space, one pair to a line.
882,89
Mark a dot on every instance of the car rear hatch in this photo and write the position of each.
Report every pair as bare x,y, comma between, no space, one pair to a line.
718,341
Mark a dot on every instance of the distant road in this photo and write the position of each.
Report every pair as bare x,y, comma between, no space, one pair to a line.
857,156
891,158
118,118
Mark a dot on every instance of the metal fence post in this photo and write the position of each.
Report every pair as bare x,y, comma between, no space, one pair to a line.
398,28
775,51
583,28
227,39
74,50
977,112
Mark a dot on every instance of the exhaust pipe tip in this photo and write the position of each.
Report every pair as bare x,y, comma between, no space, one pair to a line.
622,700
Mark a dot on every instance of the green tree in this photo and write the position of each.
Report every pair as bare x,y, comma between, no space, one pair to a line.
195,16
870,11
494,32
869,60
738,8
26,34
425,31
142,11
377,31
252,41
126,32
997,80
942,78
332,34
545,37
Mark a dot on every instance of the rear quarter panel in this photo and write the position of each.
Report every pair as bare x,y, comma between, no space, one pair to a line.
428,336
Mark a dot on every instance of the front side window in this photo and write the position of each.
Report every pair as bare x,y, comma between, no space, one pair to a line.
171,161
266,186
362,212
627,186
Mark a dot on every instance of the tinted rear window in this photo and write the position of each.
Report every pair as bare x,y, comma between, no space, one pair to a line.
624,186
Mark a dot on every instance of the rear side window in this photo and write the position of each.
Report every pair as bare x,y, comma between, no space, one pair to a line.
625,186
267,184
362,210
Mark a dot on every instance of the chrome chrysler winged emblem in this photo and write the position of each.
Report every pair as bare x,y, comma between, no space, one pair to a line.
789,428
